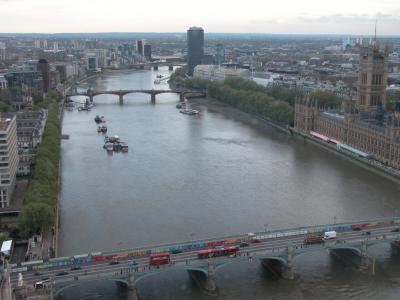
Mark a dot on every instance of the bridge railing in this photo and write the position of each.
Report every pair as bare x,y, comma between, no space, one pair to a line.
313,228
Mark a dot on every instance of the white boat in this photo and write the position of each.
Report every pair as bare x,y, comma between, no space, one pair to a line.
109,147
189,111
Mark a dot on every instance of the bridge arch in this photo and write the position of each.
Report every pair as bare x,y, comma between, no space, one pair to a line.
77,283
163,270
352,249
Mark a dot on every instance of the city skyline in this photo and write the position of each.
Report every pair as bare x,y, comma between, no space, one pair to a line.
287,17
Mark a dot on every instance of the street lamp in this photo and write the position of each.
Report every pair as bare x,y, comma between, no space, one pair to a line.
192,237
265,227
334,220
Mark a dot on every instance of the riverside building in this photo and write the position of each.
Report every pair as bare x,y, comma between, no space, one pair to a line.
8,159
363,124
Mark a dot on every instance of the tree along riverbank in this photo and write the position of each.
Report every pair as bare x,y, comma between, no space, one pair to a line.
39,210
274,103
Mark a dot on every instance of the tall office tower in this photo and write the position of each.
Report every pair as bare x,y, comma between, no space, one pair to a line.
140,46
195,42
147,52
372,78
44,67
55,46
37,44
9,158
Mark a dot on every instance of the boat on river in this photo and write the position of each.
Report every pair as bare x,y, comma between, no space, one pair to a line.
124,147
97,119
189,111
102,129
181,105
83,108
109,147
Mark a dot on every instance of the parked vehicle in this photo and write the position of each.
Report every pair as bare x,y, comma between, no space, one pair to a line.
62,273
114,262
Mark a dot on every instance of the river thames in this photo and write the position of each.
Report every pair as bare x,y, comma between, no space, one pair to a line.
219,173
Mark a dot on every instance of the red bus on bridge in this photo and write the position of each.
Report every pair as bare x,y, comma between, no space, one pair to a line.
157,259
223,251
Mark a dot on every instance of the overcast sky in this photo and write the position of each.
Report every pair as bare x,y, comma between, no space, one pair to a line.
261,16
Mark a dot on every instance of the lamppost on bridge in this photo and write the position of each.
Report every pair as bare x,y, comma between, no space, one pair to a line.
265,227
334,220
192,237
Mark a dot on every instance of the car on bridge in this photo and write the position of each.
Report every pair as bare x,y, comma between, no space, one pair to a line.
114,262
132,263
76,268
62,273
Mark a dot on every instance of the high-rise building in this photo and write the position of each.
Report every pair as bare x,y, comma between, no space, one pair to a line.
2,51
9,159
55,46
372,78
147,52
140,46
195,43
91,60
37,44
220,54
44,68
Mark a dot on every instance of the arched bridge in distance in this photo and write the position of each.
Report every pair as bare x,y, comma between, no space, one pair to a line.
183,93
276,250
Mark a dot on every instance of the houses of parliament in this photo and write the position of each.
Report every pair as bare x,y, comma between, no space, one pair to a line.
362,123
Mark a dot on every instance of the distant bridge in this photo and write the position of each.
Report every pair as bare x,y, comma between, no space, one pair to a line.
276,250
121,93
155,65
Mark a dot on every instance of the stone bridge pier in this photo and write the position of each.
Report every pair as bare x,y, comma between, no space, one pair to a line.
121,98
205,280
153,98
132,289
280,266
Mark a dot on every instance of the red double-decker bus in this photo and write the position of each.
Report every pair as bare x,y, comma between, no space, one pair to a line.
157,259
223,251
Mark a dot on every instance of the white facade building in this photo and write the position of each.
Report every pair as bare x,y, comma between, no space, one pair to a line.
8,159
212,72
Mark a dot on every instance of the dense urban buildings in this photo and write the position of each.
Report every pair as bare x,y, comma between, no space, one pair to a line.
214,72
195,48
30,128
364,123
9,159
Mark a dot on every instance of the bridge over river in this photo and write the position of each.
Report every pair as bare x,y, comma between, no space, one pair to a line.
276,250
121,93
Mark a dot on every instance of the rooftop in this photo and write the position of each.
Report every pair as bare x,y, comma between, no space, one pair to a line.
4,123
